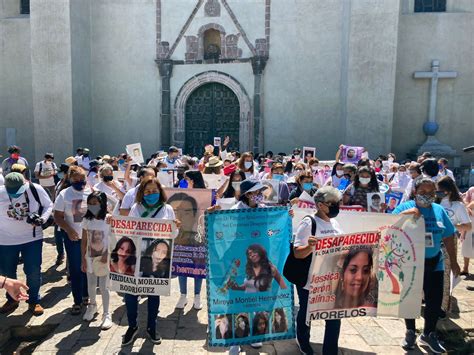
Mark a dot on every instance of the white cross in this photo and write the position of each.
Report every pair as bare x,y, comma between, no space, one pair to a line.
434,75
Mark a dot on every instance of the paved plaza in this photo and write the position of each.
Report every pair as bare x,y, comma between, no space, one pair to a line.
58,332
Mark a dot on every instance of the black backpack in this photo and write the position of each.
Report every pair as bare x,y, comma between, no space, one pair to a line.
297,270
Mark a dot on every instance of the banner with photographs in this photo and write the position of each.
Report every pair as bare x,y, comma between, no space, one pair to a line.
141,251
374,270
375,202
249,300
271,195
393,199
189,258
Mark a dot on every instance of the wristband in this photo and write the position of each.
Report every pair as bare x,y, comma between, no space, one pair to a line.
4,280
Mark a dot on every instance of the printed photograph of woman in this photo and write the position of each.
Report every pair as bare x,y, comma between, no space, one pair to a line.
123,258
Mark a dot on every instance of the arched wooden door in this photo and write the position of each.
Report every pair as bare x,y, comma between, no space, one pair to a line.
212,110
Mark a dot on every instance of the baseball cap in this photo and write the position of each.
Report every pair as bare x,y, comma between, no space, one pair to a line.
15,183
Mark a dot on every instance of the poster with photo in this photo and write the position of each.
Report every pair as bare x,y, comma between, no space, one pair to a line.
140,254
375,201
245,307
393,199
214,181
189,246
271,195
390,251
308,153
135,152
350,154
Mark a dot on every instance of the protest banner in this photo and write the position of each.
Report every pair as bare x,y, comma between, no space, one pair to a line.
135,152
351,154
244,307
141,251
189,258
353,208
165,178
214,181
306,201
119,175
375,201
388,250
393,199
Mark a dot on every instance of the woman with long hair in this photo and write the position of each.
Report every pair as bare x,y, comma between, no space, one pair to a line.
123,257
259,271
156,260
357,282
365,182
247,165
260,324
280,323
242,326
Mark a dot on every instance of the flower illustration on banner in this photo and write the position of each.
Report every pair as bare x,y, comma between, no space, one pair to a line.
272,232
219,235
230,276
391,260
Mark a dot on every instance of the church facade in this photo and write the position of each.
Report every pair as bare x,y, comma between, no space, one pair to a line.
271,74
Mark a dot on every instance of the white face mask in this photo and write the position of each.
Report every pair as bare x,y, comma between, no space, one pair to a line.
364,181
339,172
248,164
236,185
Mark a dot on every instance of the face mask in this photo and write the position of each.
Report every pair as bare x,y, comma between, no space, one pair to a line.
236,185
307,186
257,198
121,161
108,178
364,181
441,167
390,160
333,210
425,200
94,209
339,172
78,186
15,195
314,168
297,158
248,164
86,155
152,199
15,156
277,177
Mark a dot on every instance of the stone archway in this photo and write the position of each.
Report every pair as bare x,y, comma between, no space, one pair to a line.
246,113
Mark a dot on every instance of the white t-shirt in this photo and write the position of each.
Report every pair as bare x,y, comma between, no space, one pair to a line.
84,162
166,212
98,232
457,211
129,198
103,187
74,205
47,169
13,227
323,229
446,172
92,178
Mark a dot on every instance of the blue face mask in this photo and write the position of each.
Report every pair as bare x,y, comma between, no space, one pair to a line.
15,195
121,161
277,177
307,186
78,186
440,167
152,199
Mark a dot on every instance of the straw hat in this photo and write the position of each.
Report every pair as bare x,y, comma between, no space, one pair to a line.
214,162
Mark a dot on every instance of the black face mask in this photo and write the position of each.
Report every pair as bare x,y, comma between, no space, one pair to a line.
108,178
333,210
347,176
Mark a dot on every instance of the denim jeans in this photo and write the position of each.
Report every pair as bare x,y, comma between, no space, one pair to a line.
131,302
183,285
331,331
433,290
32,256
59,236
78,278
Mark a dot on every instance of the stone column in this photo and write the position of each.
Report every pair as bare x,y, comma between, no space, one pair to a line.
258,66
166,68
52,77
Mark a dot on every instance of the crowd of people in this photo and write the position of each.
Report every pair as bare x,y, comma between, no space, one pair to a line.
78,196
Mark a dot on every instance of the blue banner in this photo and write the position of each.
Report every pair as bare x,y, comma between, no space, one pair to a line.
249,300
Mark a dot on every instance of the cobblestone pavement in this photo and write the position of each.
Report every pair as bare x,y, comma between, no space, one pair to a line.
58,332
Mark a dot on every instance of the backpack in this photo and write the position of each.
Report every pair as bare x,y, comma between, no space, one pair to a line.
297,270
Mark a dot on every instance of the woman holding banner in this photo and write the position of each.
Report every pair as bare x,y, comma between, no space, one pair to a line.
439,229
150,202
304,183
323,224
365,182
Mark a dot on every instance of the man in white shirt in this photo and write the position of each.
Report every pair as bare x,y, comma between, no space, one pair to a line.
443,169
172,160
45,171
24,207
84,160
